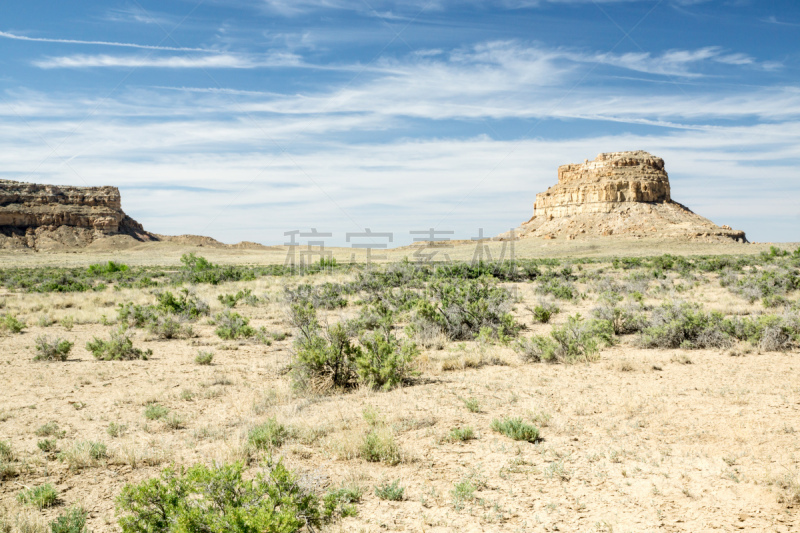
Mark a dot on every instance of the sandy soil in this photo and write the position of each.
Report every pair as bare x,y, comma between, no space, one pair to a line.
641,440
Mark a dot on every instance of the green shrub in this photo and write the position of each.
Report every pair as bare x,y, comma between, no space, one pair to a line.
768,332
462,491
390,491
83,454
324,359
461,309
41,496
73,521
109,268
185,304
47,445
461,434
230,300
563,290
6,452
232,326
67,322
472,405
50,429
385,362
116,430
218,499
684,325
52,349
516,429
271,434
544,312
204,358
577,340
624,320
168,327
339,502
200,270
135,315
379,446
118,348
11,324
324,296
155,411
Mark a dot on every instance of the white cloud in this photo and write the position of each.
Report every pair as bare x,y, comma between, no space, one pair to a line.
14,36
276,162
178,62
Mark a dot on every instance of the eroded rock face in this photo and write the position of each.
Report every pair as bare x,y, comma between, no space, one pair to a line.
50,216
619,193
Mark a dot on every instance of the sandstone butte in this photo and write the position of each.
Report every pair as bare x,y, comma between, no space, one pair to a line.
53,218
620,194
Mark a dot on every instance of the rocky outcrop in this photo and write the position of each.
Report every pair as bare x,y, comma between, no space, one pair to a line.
619,193
50,217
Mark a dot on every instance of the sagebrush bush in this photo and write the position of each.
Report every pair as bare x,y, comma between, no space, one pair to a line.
384,361
269,435
325,296
461,309
630,318
50,429
378,445
676,325
324,358
231,325
155,411
204,358
11,324
768,332
230,300
118,348
390,491
203,498
461,434
544,311
559,288
72,521
52,349
577,340
339,502
169,327
41,496
109,268
516,429
47,445
6,452
83,454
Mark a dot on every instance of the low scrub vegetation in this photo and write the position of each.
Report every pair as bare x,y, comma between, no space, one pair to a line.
577,340
41,496
220,498
52,349
516,428
118,348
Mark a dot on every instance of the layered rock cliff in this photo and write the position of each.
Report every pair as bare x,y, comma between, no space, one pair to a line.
50,217
619,193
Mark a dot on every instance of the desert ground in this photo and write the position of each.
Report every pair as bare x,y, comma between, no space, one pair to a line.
635,432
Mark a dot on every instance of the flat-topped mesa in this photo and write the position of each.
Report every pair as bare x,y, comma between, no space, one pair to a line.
623,194
601,185
34,215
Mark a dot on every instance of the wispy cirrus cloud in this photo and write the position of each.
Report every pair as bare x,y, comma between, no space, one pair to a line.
16,37
217,61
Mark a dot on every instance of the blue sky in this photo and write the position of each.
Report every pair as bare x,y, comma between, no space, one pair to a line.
245,119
